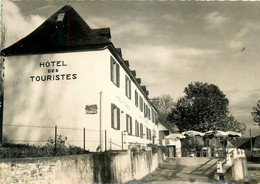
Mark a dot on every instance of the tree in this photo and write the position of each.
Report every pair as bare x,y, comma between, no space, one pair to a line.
2,45
256,113
203,107
164,105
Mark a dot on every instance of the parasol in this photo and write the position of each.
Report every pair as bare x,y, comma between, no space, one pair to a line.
218,133
233,134
215,133
174,136
192,133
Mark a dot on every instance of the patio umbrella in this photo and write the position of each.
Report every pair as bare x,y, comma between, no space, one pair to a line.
215,133
233,134
174,136
223,135
220,134
192,133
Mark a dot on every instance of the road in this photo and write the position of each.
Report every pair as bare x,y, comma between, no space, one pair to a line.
171,172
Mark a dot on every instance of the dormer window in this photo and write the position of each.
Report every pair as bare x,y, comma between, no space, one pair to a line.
60,17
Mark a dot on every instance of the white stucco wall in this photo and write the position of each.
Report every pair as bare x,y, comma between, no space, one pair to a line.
49,103
62,102
127,106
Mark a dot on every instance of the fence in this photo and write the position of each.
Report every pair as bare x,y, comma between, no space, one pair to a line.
85,138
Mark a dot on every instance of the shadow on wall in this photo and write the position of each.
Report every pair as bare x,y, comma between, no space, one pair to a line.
17,91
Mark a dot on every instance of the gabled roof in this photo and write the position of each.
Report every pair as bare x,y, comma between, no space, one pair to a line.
171,127
247,144
230,145
239,141
64,31
257,142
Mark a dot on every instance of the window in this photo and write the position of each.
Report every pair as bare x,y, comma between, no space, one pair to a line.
152,115
115,117
141,130
149,113
136,128
127,87
136,98
141,106
148,134
144,110
129,124
60,17
115,77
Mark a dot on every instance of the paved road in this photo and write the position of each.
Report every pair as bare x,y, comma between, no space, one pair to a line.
171,172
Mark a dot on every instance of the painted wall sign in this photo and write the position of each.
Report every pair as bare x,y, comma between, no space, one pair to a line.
52,68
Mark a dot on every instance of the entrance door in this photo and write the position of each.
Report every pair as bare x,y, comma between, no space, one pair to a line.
171,151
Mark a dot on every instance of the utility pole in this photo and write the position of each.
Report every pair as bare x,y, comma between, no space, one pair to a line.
251,141
100,121
2,44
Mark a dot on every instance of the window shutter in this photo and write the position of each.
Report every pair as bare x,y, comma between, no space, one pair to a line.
129,88
137,125
131,130
125,85
117,75
111,68
135,128
144,110
127,123
112,115
118,118
141,130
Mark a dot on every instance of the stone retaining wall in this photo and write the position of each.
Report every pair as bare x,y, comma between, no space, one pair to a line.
119,167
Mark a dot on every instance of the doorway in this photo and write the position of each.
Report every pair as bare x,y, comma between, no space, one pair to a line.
171,151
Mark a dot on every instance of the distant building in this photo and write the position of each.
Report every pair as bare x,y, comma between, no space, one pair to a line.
64,73
255,141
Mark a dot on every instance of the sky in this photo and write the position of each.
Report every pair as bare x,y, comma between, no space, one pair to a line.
170,44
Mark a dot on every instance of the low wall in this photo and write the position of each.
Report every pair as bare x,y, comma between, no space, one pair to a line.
192,161
145,163
106,167
234,167
238,171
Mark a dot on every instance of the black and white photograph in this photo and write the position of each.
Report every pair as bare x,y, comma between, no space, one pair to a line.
135,92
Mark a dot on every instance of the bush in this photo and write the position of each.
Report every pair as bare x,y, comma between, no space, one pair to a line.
11,150
156,148
137,149
163,149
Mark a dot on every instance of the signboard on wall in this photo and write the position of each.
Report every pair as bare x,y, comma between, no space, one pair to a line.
91,109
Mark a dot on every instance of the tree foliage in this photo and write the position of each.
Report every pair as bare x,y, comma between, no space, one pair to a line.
164,105
256,113
2,45
204,107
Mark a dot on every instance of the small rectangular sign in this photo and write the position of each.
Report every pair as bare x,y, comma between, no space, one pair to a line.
91,109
